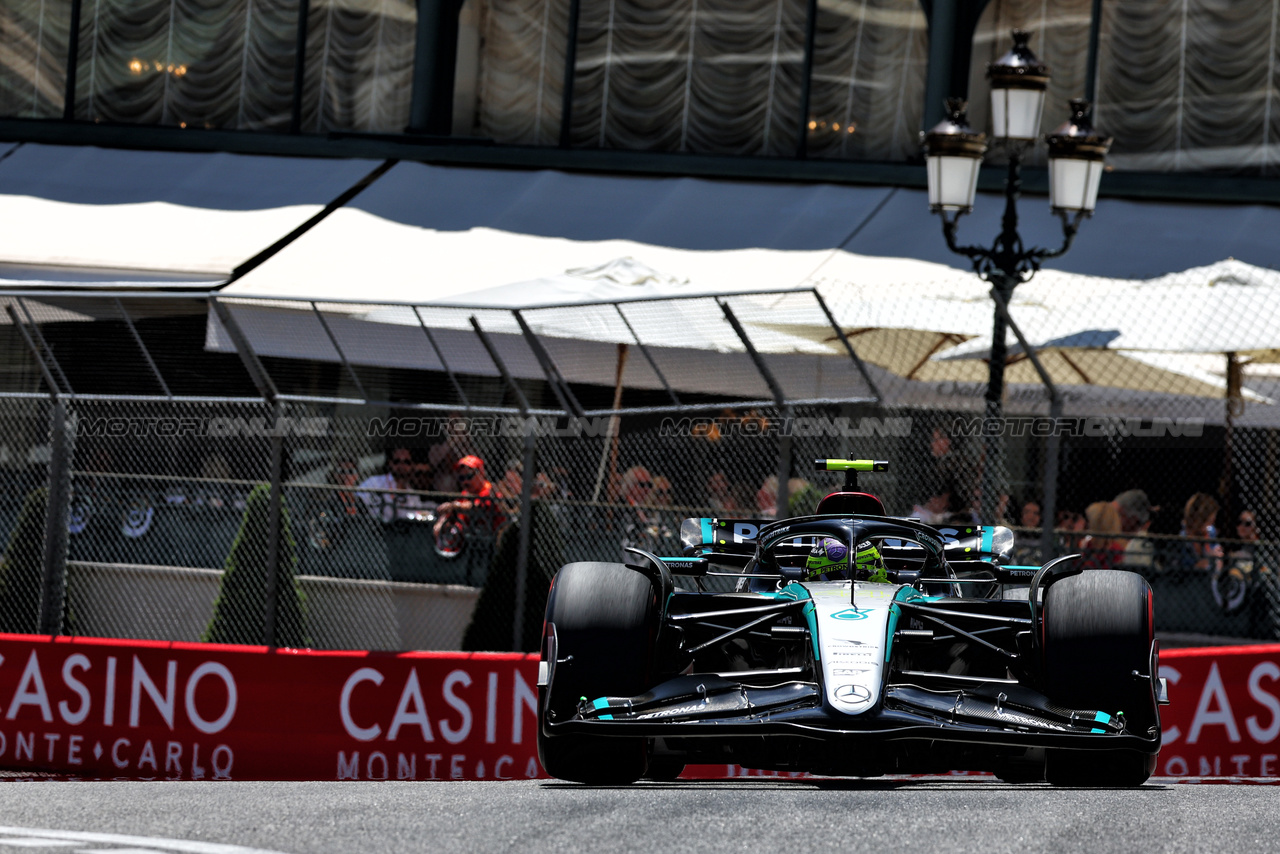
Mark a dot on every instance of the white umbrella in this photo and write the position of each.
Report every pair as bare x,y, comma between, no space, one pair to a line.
1153,335
665,311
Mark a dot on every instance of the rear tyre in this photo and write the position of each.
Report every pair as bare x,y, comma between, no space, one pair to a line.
1097,633
604,616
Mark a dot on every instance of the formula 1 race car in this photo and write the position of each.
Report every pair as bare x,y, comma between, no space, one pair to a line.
848,643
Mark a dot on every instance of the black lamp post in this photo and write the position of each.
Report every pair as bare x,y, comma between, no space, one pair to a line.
953,155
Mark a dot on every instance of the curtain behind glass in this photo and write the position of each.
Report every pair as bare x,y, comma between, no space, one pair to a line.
1191,85
33,58
522,70
715,76
1060,39
709,76
359,65
1182,86
185,62
230,63
869,65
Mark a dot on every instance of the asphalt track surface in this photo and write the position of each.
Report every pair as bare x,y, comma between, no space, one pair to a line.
754,815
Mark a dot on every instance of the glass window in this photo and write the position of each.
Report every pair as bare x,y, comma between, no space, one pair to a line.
33,62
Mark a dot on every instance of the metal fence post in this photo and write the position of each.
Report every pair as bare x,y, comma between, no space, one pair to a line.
273,529
54,583
526,537
779,398
1049,505
57,506
526,487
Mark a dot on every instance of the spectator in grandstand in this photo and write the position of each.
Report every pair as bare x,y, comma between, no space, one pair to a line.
512,484
944,506
635,487
1101,549
958,464
934,508
1026,550
1069,520
558,482
720,496
640,523
661,491
442,456
344,472
423,474
767,498
1199,552
1245,555
1134,509
380,493
1068,530
512,481
1029,515
480,502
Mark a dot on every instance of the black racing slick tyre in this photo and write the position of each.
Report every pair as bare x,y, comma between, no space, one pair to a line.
605,623
1097,636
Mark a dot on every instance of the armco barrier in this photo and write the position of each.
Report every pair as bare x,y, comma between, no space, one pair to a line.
1223,718
104,708
138,709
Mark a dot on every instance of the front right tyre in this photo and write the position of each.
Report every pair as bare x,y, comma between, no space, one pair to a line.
605,618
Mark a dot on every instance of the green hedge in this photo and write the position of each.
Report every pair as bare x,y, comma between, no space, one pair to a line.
22,571
239,614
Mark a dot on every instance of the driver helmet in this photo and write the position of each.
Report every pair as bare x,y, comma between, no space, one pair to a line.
829,561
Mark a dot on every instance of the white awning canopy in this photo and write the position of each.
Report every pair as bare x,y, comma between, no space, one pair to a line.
80,217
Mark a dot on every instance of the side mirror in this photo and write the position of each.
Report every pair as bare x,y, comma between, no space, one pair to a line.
978,543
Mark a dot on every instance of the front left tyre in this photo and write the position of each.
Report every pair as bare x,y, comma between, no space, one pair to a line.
1098,637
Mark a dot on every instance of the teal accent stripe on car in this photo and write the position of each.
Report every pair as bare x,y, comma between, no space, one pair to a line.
811,617
1102,718
707,535
794,592
601,703
904,594
1095,729
986,539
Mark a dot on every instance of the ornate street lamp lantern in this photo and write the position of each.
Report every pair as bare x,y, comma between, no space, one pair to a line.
1077,157
1018,82
953,155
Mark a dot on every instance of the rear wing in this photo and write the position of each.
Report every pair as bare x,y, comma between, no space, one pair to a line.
709,536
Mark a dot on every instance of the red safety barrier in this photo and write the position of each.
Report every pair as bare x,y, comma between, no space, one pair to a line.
109,708
1223,717
138,709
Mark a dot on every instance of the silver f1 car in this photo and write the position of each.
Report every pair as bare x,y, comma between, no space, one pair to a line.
848,643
